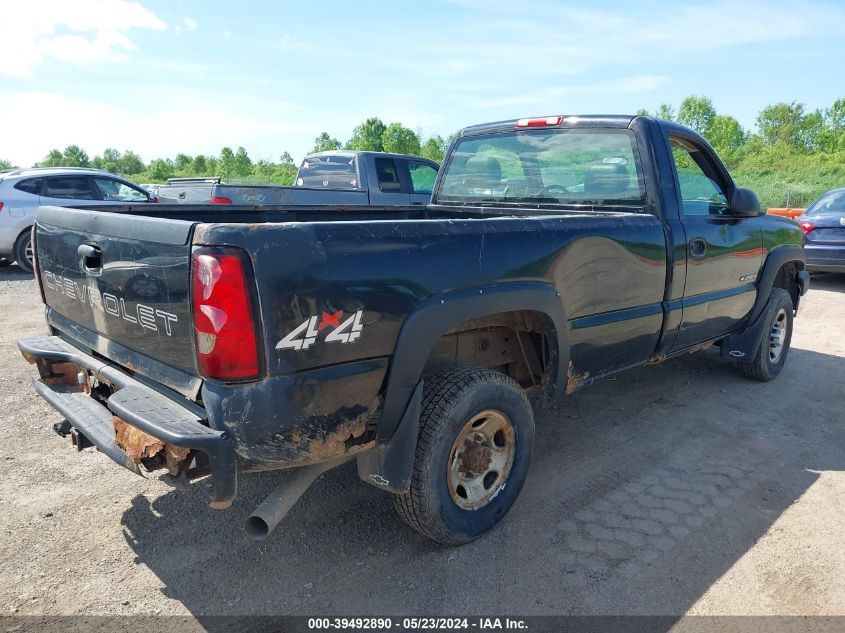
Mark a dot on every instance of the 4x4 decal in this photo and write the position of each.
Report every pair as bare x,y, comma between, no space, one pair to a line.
306,333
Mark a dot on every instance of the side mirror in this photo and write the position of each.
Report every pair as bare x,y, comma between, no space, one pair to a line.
744,204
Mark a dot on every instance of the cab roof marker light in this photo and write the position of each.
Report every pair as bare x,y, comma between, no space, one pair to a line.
542,121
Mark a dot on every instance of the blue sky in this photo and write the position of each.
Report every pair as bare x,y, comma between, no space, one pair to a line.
162,77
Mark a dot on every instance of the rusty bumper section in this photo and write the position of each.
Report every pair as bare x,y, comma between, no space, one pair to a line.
139,421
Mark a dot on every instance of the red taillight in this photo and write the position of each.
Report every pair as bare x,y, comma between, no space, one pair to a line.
542,121
221,200
223,316
807,226
1,206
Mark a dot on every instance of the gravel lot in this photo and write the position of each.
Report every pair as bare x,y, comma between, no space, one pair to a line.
679,488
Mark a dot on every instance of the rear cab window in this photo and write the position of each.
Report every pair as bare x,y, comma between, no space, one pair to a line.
597,167
328,172
388,175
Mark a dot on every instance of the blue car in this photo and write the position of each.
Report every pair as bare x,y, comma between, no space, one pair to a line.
824,233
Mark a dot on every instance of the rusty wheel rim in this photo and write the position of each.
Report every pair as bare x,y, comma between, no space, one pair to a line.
481,459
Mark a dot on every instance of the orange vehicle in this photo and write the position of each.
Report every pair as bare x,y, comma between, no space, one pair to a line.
785,211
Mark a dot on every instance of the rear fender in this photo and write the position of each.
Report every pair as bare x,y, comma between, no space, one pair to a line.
775,260
435,317
389,465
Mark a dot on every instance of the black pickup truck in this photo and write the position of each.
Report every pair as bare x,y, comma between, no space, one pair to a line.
556,251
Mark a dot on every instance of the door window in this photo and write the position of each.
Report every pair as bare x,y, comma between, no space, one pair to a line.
73,187
422,176
701,193
115,190
388,176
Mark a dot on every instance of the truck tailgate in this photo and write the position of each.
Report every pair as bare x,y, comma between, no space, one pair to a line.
124,277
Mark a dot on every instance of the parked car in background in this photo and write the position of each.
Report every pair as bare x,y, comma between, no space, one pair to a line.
345,177
824,233
22,191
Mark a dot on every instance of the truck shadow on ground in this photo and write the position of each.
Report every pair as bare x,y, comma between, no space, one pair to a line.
828,281
14,273
644,490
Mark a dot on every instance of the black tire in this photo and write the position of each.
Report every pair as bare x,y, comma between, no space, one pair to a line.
5,262
767,364
21,248
451,400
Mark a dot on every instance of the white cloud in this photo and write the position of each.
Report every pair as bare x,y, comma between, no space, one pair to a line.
79,32
190,24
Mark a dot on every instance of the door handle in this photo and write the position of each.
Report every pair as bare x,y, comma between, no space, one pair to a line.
697,247
90,257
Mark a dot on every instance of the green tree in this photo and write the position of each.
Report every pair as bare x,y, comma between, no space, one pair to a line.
369,136
227,162
199,166
781,123
284,172
434,148
325,143
182,161
696,112
836,114
160,169
665,111
401,140
110,160
241,163
130,163
814,134
725,134
75,156
5,164
53,158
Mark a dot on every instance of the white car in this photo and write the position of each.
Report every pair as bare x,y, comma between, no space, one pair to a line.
22,191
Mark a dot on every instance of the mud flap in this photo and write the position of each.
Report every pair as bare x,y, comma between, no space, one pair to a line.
390,465
744,345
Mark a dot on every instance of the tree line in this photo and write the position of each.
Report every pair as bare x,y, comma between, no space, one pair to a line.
371,135
793,156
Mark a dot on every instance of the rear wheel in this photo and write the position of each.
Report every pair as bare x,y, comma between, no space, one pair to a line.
23,251
472,456
771,355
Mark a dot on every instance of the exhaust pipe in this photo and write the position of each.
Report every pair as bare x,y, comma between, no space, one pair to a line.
269,514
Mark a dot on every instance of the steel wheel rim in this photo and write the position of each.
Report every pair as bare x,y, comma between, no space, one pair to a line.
29,253
777,336
481,459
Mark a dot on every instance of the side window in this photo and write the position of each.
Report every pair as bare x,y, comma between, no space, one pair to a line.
72,187
388,176
701,193
423,176
31,185
115,190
